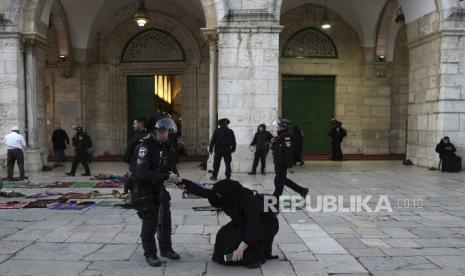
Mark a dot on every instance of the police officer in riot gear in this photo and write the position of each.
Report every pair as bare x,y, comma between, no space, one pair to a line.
224,143
283,157
151,166
81,142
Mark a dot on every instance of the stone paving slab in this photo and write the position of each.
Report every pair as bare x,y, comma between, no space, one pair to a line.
123,268
105,241
57,251
340,264
41,268
112,252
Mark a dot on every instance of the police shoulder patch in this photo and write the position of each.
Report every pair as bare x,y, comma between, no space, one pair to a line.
142,152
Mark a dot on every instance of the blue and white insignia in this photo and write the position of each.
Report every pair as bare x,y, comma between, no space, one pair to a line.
142,152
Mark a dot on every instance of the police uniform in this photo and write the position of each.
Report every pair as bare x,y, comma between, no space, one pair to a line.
224,143
150,167
81,142
283,159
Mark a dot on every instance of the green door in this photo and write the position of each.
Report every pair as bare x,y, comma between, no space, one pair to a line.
141,99
309,103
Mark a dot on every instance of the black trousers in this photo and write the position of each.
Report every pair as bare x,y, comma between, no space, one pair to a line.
164,222
146,201
260,154
153,207
336,150
231,235
15,156
281,180
80,157
226,155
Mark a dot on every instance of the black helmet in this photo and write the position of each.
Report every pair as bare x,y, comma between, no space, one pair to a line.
281,122
224,122
166,124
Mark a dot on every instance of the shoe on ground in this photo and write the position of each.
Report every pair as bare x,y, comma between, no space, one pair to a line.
153,261
214,178
170,254
86,174
304,194
252,173
263,173
70,174
272,257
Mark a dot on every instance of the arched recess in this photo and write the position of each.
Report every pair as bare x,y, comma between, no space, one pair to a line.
399,93
387,30
347,68
105,53
121,35
153,45
60,23
309,43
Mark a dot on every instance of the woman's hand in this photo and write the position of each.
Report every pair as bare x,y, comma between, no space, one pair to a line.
238,254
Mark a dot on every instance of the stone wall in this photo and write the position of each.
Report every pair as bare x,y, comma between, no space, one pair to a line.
247,84
12,105
424,90
399,95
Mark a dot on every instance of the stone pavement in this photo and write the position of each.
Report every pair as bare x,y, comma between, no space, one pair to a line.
408,241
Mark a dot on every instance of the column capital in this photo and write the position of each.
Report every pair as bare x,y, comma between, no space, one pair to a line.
31,41
210,35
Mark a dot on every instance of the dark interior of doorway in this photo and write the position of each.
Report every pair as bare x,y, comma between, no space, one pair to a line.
148,94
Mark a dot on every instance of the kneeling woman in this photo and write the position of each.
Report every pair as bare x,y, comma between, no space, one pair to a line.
248,238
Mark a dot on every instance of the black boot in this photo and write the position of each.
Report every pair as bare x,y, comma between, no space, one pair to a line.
70,174
252,173
214,178
170,254
153,260
305,193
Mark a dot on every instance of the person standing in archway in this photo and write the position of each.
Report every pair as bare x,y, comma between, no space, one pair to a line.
261,142
337,134
59,139
224,143
81,142
14,143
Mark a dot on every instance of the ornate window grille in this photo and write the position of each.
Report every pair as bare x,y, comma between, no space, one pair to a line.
310,43
153,45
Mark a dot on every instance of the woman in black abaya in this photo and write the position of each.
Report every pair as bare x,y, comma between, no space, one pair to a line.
250,233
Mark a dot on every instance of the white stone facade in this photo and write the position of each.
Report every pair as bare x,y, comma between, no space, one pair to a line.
402,105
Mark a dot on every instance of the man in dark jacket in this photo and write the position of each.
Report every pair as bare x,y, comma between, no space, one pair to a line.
140,132
261,141
224,143
337,134
283,156
81,142
446,152
60,140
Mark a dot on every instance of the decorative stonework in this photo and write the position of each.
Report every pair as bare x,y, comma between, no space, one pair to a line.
310,43
153,45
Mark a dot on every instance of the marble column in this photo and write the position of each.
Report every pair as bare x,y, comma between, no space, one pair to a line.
248,77
31,95
211,37
35,154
